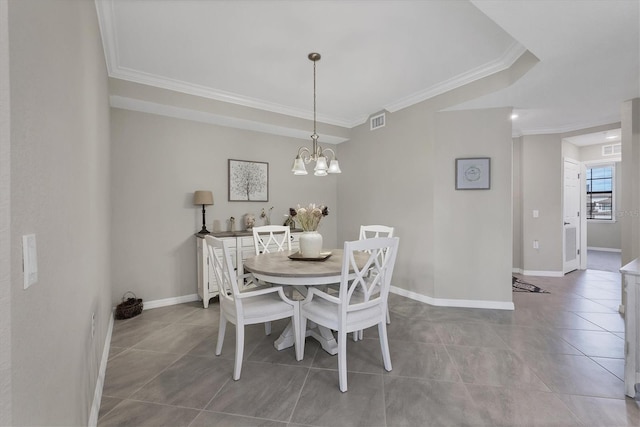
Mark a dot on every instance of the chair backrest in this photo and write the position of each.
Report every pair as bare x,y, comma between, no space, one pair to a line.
373,231
225,274
369,231
372,289
271,238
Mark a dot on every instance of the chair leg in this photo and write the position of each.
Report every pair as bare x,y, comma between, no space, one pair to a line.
239,350
267,328
388,316
342,360
384,345
221,329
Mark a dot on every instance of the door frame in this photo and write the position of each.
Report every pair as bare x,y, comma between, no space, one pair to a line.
583,216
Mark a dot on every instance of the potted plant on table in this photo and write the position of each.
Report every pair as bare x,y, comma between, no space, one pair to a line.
309,219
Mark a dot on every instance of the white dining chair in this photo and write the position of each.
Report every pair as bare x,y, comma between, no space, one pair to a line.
261,305
368,232
354,310
271,238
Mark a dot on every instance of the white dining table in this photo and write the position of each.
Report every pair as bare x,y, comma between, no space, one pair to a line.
279,269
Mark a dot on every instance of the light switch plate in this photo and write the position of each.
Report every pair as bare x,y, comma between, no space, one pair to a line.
29,260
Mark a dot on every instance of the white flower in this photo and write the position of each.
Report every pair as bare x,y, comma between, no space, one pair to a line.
309,217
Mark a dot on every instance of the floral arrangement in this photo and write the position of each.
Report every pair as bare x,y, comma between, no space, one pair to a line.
309,217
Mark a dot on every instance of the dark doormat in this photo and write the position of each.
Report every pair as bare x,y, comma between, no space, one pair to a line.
518,285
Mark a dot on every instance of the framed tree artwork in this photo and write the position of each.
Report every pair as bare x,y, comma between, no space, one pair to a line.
248,181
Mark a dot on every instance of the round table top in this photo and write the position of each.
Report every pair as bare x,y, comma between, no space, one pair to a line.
278,264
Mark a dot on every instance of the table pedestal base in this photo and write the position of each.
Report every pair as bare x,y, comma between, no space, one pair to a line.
323,335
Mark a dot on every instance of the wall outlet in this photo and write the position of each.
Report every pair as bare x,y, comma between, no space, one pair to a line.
93,325
536,245
536,213
29,260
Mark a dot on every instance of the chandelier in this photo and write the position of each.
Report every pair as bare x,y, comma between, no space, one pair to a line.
317,153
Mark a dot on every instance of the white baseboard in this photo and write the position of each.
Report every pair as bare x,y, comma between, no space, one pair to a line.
590,248
500,305
147,305
543,273
97,395
440,302
516,270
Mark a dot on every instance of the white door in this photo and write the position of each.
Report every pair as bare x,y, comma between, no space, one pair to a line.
571,209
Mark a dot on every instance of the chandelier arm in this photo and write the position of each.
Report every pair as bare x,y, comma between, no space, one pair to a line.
305,157
333,153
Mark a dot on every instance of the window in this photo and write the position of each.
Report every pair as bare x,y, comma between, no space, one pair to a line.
600,193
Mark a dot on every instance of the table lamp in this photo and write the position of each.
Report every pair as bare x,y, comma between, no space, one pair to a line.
203,198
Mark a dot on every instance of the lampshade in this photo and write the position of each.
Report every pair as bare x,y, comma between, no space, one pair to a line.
298,167
202,197
334,167
321,164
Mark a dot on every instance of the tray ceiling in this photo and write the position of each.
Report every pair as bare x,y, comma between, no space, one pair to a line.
380,55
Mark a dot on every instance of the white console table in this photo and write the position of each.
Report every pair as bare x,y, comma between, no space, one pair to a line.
241,244
631,287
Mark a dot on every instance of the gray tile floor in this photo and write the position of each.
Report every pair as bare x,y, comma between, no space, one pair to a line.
603,260
557,360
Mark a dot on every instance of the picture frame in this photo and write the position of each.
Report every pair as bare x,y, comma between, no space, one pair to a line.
473,173
248,181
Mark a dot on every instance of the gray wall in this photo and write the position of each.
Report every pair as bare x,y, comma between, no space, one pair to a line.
517,204
59,191
5,219
444,255
541,190
160,161
630,213
473,228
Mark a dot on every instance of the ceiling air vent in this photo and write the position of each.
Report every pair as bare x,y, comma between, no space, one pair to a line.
377,121
612,149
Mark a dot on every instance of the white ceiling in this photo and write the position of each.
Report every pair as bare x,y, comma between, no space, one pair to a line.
383,54
612,136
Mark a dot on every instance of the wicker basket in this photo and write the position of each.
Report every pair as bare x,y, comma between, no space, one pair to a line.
129,307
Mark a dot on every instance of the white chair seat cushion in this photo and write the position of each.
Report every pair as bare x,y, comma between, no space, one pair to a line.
264,306
327,313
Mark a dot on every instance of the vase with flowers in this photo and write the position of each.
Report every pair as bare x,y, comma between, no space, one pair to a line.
309,219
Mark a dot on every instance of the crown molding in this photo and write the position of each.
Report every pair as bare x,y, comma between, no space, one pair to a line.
106,20
219,95
215,119
505,61
105,14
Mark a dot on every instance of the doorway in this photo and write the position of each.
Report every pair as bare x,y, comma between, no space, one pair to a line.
599,155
